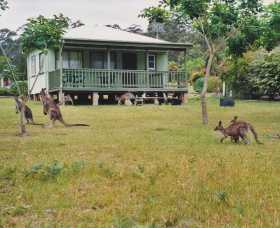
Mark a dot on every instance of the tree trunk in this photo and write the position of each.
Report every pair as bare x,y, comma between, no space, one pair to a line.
205,87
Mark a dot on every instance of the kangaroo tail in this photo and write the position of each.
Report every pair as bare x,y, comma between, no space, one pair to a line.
72,125
77,125
254,133
36,124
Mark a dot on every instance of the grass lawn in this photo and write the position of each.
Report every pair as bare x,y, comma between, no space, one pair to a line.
150,166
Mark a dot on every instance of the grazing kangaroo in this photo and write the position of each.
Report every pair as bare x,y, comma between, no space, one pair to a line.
236,130
233,132
53,110
126,99
248,126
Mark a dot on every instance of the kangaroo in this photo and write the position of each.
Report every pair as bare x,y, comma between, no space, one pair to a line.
233,131
248,126
27,111
53,110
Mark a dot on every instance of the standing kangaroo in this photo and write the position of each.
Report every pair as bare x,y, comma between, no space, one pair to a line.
53,110
27,111
237,129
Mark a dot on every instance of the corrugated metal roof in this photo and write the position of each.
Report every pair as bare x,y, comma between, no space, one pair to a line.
103,33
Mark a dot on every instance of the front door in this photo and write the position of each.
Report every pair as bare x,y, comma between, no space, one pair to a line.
129,61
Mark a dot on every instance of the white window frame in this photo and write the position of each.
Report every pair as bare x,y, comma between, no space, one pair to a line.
148,62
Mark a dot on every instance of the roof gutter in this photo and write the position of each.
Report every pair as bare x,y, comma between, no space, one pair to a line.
127,44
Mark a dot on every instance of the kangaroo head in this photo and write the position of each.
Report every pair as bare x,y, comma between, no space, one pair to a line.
234,120
219,126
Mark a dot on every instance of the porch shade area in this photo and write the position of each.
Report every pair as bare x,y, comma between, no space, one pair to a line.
112,69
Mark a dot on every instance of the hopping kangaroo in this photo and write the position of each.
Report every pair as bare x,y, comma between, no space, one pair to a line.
52,109
237,129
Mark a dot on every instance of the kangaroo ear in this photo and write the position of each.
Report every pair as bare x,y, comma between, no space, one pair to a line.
235,118
220,123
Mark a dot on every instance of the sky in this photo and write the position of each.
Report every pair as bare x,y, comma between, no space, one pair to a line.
90,12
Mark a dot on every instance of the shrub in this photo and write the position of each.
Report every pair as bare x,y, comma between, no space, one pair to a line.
195,64
22,86
264,74
198,84
214,84
196,75
5,92
173,66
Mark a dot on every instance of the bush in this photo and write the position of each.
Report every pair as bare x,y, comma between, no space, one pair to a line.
214,84
22,86
196,75
198,85
173,66
5,92
264,74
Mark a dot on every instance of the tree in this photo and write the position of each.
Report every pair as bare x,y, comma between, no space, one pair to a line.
43,33
11,45
271,25
215,21
3,5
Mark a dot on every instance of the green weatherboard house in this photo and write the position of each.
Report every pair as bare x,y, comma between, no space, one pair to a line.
106,62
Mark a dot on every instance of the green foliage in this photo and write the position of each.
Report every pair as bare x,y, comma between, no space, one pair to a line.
264,74
173,66
45,172
45,33
155,14
196,75
194,65
271,25
250,31
193,8
5,92
53,170
255,74
3,5
23,87
214,84
198,84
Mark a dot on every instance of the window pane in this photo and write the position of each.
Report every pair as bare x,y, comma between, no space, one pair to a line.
57,64
41,62
33,65
98,60
65,60
75,60
113,63
152,62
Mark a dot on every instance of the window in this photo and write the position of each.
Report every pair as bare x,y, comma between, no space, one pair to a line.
65,57
151,62
33,65
72,59
41,62
98,60
114,60
57,62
